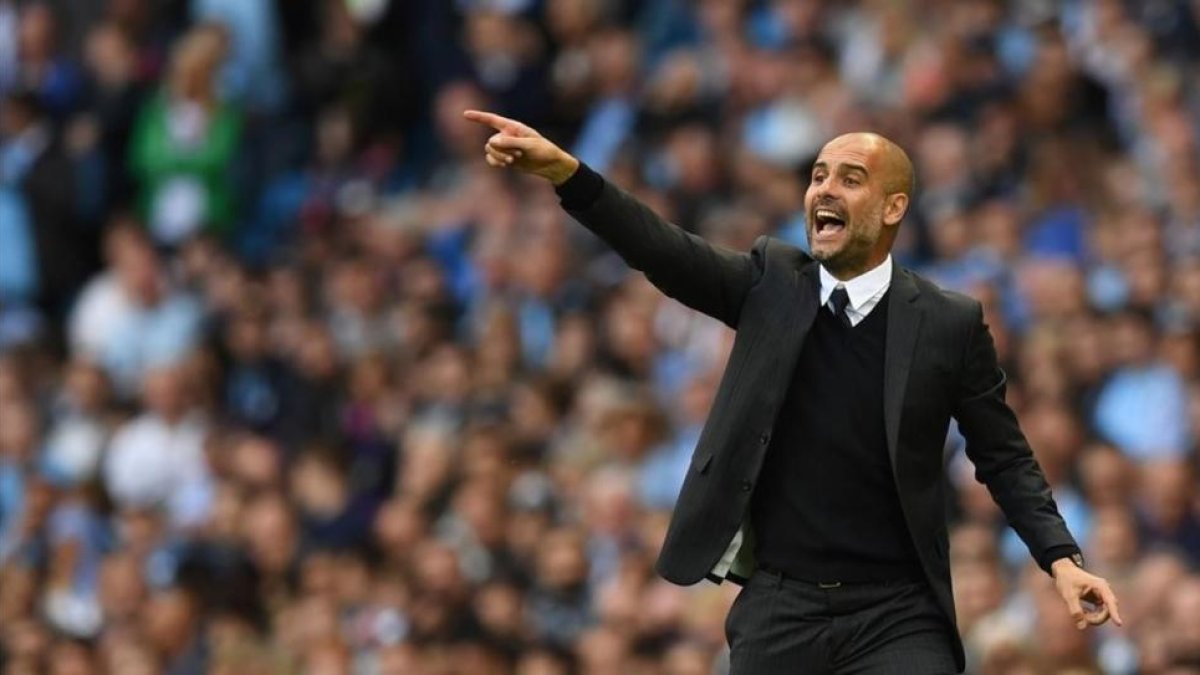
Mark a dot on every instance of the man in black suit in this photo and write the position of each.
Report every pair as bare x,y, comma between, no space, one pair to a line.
818,481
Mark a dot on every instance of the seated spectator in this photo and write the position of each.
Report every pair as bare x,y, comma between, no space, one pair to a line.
156,460
560,605
19,438
130,318
80,426
332,516
312,200
1166,497
255,394
170,622
1141,408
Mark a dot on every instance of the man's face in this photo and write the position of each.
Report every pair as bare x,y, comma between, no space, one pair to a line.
845,204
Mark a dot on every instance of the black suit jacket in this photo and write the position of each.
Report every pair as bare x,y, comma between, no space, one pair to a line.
940,362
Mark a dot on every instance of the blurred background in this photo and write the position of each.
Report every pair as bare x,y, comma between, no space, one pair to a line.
290,381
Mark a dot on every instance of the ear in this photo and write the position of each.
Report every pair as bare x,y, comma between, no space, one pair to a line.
894,208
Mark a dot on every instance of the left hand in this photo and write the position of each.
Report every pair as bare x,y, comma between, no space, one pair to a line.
1077,586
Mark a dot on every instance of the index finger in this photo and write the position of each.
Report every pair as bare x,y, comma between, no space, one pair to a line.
1110,603
492,120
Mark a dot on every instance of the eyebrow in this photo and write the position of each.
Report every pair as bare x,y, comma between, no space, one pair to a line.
847,166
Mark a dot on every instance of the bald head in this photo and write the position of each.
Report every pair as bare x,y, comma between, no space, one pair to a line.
860,190
895,169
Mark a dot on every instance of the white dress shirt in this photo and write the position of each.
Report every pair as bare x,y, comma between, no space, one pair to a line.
865,290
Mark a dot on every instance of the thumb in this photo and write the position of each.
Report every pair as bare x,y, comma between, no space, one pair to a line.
1075,608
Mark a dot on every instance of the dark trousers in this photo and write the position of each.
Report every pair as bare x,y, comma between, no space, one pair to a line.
780,625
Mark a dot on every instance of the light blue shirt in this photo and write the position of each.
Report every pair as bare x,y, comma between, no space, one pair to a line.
663,471
1143,411
252,72
18,257
152,337
606,127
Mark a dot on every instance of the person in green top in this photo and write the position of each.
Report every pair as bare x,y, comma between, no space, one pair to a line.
184,143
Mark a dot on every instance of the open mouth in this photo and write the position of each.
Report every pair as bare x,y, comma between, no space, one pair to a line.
828,221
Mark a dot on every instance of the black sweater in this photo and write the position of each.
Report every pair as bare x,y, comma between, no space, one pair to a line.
826,506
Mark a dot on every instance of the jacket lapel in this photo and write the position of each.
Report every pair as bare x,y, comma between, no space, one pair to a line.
806,290
904,325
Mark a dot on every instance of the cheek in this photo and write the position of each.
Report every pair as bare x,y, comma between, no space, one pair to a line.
868,215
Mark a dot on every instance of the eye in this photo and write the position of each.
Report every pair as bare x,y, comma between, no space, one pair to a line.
817,178
851,182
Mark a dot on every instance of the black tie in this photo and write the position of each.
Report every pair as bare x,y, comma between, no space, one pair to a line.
839,300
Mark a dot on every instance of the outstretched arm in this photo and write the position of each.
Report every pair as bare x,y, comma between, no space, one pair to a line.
708,278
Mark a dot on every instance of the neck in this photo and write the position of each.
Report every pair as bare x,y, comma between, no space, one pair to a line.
850,270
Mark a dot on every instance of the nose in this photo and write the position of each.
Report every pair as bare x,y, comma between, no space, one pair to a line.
827,189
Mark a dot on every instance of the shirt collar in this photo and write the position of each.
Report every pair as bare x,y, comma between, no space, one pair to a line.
862,287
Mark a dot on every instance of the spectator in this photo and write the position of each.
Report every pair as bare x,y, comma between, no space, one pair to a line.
251,73
81,426
116,96
559,602
18,442
130,317
42,66
1141,408
255,381
157,460
184,145
41,261
1167,494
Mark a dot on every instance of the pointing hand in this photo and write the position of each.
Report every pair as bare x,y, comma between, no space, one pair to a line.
519,146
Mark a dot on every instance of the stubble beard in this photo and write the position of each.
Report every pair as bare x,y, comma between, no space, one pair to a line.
851,258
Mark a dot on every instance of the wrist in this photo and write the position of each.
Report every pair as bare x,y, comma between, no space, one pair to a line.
562,170
1058,565
1070,561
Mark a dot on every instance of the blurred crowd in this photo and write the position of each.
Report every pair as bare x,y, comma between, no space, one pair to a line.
290,381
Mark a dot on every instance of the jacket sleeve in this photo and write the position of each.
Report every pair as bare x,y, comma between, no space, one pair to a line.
1001,454
708,278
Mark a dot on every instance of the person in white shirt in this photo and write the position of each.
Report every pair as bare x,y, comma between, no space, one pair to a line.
157,459
129,318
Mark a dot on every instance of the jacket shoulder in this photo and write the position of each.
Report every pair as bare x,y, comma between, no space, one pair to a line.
949,304
775,252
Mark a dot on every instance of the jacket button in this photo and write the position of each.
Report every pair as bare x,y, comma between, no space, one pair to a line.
764,439
746,486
